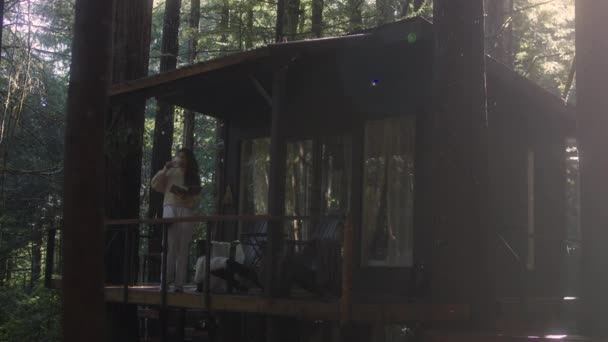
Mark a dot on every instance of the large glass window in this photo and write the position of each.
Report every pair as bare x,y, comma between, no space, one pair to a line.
298,184
255,166
317,181
388,190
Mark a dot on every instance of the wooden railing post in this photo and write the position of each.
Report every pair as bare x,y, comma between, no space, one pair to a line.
346,301
163,285
126,267
208,251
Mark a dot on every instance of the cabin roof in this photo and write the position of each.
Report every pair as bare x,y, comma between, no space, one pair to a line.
249,73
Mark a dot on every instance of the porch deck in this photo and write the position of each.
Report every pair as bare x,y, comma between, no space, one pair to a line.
300,306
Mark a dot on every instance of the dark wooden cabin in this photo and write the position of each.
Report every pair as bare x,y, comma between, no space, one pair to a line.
345,106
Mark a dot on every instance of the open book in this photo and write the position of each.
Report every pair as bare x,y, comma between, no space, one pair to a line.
183,190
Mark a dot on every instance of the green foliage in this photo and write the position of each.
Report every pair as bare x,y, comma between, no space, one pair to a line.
543,35
29,316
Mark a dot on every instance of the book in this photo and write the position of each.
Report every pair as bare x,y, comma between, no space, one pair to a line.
182,190
179,190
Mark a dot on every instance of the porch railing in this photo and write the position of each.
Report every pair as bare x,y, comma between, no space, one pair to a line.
212,225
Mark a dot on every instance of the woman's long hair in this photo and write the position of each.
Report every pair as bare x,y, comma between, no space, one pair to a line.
191,174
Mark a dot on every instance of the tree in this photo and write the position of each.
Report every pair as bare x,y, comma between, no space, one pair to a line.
123,156
163,127
292,18
317,18
499,30
280,24
189,116
83,229
592,125
456,208
355,16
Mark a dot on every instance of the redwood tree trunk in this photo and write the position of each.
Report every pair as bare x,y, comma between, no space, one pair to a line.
317,18
592,125
123,156
279,28
1,22
83,276
163,128
195,16
355,17
459,193
292,16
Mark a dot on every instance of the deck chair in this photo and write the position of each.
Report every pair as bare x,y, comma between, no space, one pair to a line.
254,241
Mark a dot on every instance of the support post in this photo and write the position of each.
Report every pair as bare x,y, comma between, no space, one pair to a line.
164,312
347,274
83,269
592,125
457,210
276,193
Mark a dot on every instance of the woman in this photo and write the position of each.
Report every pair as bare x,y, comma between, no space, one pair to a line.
180,183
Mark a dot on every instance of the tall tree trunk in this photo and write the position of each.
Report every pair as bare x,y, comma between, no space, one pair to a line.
163,128
499,30
195,16
292,19
224,25
249,28
36,255
592,125
459,159
383,12
280,25
1,24
83,275
124,130
317,18
355,17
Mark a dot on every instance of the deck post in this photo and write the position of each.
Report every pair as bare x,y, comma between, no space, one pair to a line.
208,251
164,312
83,269
457,209
347,274
592,125
276,193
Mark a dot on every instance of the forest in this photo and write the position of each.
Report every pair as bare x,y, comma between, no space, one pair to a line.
533,37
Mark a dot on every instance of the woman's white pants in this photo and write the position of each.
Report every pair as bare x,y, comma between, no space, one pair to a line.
179,237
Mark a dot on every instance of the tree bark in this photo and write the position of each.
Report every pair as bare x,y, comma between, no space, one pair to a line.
457,207
383,12
279,28
83,276
36,255
592,125
355,17
249,28
195,16
1,24
292,18
317,18
163,128
124,130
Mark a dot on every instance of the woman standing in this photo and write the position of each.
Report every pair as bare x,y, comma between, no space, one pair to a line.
180,183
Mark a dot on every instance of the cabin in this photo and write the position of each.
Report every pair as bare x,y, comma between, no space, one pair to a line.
328,139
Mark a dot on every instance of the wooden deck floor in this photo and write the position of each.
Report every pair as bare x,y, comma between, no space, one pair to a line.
301,308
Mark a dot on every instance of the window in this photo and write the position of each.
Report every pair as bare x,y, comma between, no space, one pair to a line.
388,190
317,181
298,183
255,166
